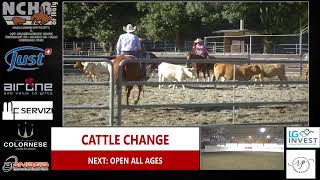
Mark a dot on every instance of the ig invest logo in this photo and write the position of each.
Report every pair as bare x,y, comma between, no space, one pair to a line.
303,137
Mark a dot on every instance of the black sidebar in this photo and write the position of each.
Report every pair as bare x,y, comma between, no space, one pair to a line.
31,83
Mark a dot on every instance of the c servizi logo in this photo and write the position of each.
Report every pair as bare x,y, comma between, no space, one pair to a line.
26,58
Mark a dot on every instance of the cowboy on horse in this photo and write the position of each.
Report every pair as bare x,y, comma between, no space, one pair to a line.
130,44
200,49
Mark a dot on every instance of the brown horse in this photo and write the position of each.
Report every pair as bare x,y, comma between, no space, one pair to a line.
204,67
130,72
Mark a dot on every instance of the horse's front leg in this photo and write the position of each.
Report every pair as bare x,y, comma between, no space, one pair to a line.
138,98
208,72
128,90
198,75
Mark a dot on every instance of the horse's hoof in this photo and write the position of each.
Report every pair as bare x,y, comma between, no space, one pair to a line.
135,102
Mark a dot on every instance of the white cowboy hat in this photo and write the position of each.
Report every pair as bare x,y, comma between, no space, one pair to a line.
129,28
198,40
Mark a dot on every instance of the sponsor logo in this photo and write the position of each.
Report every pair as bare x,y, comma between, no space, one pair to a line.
25,133
28,88
300,164
304,137
30,13
12,164
27,110
21,58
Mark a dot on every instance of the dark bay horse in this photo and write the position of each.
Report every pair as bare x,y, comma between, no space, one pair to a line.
204,67
130,72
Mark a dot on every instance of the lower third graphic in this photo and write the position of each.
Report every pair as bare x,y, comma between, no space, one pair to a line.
27,110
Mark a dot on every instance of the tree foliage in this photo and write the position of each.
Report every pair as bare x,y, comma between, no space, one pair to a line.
180,21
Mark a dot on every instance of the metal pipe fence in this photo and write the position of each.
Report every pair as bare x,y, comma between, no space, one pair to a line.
110,107
120,83
233,104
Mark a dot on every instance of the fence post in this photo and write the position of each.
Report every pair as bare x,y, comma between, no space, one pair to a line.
111,103
234,92
119,91
94,48
165,45
250,44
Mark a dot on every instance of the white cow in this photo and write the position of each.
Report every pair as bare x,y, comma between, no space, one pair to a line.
174,72
94,69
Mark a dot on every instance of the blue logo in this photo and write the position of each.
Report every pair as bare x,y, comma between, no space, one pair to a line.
303,133
22,61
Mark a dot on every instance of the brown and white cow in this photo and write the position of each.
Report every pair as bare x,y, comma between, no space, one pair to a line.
242,72
273,70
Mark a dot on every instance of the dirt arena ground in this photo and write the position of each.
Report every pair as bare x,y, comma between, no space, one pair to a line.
242,161
99,95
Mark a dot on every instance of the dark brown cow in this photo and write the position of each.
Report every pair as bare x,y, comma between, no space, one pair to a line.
205,68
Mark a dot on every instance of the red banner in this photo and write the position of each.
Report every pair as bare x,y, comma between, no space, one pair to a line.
125,160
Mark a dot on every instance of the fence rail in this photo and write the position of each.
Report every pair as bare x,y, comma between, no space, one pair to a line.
233,104
111,99
121,82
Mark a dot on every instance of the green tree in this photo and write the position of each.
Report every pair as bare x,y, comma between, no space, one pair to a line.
268,17
101,21
179,20
163,21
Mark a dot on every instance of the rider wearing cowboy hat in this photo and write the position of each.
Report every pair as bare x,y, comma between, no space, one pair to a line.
128,43
199,48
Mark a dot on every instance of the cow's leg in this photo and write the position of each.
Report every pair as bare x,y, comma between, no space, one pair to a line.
261,77
160,79
283,80
204,74
198,72
138,98
128,90
208,72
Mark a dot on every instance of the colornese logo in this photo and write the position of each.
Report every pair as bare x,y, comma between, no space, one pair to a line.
30,13
26,58
25,140
303,137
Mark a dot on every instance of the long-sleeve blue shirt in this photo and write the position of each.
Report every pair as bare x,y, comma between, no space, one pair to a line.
128,42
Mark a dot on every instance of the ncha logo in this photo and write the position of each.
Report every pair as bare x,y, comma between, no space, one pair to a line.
30,13
26,57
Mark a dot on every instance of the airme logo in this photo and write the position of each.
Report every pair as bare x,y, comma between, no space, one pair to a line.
301,164
30,13
28,88
12,164
27,110
25,140
20,58
306,137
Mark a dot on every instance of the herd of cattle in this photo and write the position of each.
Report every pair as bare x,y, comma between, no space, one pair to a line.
179,73
174,72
